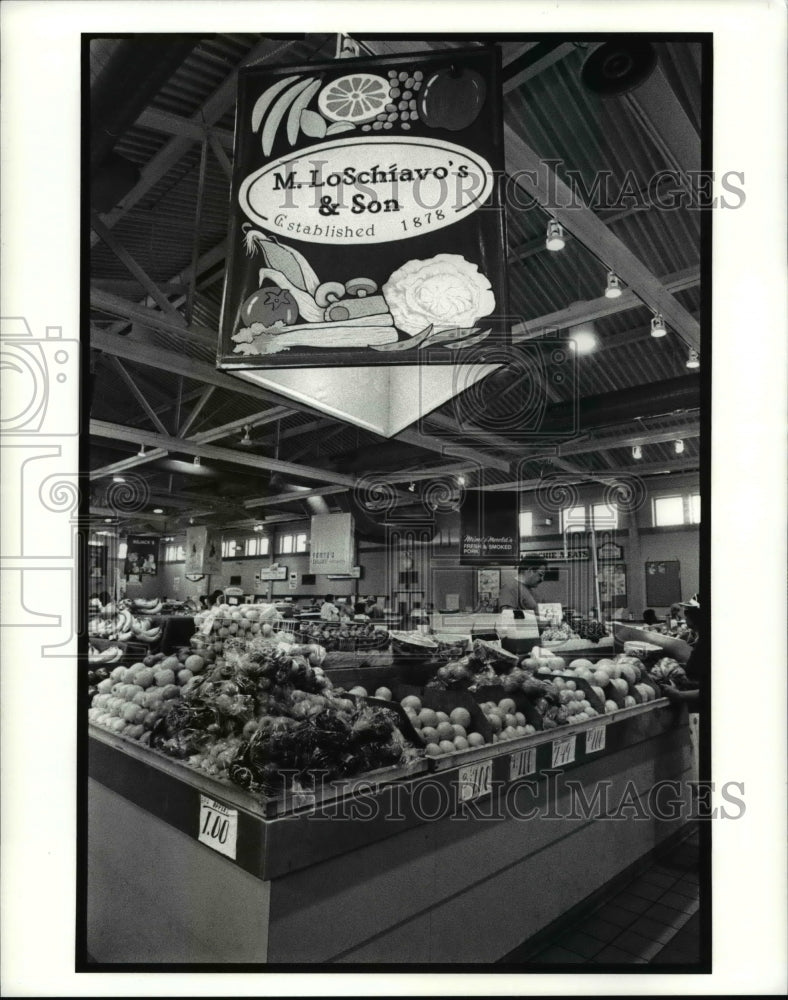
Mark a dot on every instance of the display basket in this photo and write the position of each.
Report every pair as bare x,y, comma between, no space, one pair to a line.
357,638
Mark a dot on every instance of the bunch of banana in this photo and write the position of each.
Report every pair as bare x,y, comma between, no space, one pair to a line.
112,654
146,607
150,635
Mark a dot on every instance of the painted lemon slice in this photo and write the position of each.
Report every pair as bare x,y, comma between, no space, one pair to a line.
356,98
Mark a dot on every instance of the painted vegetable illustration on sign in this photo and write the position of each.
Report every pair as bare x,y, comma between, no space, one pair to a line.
346,164
432,301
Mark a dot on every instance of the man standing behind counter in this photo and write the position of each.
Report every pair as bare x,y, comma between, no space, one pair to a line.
530,574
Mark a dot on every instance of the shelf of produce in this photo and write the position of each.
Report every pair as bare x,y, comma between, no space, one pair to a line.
410,870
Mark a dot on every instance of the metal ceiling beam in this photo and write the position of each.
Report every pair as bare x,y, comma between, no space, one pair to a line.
205,437
662,115
208,260
541,183
170,124
115,306
584,312
636,436
101,428
207,392
254,420
214,108
538,66
135,269
180,364
128,463
291,496
138,395
636,469
447,448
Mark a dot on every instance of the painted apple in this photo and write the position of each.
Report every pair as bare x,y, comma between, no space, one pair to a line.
452,98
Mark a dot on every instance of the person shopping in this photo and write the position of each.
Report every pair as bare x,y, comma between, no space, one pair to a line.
329,612
530,574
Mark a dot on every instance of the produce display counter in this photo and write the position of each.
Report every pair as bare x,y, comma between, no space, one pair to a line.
459,860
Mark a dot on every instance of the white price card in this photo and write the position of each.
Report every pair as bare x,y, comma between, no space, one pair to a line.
218,826
521,763
564,750
595,739
475,780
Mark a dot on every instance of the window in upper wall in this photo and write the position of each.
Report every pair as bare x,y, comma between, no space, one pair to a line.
300,542
573,519
695,508
231,549
668,511
286,544
526,524
605,516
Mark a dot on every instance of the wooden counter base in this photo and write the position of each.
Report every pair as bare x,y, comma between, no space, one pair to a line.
460,888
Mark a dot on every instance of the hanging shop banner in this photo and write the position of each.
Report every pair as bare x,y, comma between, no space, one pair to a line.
489,530
142,557
203,551
332,542
366,220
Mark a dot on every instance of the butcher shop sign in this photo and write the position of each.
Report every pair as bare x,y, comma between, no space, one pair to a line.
366,225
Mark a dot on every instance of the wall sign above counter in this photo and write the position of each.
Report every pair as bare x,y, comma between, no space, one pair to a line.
366,219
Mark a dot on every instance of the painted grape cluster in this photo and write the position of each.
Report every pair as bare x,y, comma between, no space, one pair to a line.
401,107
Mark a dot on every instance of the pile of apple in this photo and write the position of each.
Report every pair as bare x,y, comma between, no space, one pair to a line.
621,674
239,623
506,722
442,732
132,699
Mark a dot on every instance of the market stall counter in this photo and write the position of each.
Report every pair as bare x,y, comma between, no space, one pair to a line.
455,861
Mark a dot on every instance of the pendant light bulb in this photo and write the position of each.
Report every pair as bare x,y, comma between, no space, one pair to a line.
556,238
658,328
196,460
678,446
693,360
141,452
613,289
637,452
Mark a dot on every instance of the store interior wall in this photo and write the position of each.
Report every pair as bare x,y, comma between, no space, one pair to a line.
441,575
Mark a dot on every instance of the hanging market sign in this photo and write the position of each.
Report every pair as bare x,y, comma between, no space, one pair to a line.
203,551
610,551
489,530
366,220
273,572
332,542
142,557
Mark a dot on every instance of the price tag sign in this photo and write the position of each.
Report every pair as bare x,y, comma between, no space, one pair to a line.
595,739
218,826
521,763
475,780
564,750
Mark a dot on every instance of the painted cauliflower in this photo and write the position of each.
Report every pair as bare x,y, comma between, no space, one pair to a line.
445,291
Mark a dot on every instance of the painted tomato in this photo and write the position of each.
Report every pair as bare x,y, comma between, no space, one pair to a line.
270,306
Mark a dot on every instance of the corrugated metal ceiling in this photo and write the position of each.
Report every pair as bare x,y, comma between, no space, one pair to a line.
551,111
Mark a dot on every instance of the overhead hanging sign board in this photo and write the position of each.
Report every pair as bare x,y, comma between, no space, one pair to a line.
489,529
203,551
142,556
331,544
366,220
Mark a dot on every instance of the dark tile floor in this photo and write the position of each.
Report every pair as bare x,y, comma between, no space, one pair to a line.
652,920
